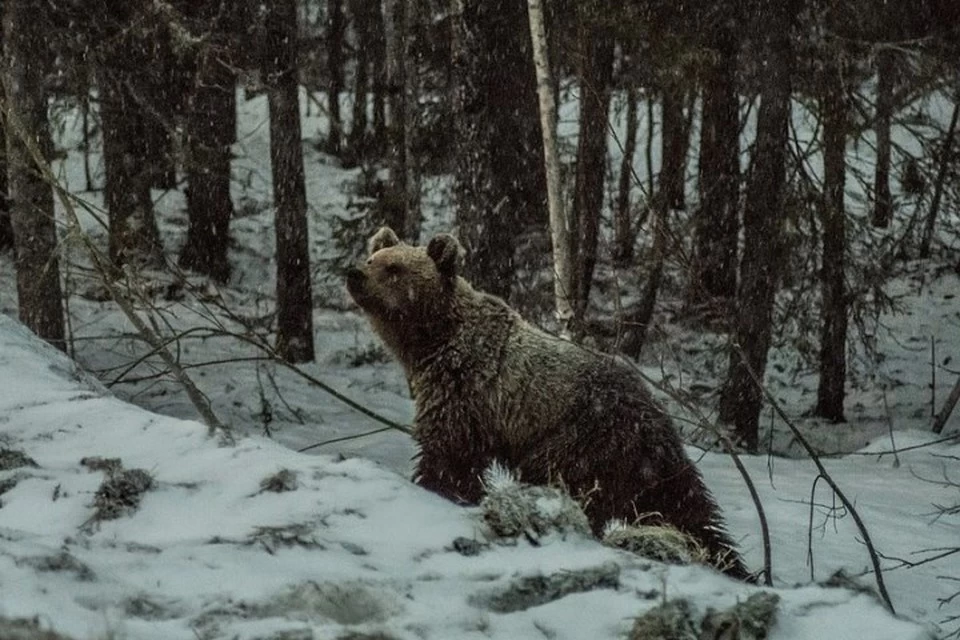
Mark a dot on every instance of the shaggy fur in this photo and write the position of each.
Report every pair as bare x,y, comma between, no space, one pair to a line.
489,386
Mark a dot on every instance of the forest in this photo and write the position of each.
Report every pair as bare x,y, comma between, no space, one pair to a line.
752,202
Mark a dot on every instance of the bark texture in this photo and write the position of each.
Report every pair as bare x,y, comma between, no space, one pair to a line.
623,234
362,28
31,197
211,129
6,228
134,237
833,337
595,75
883,203
560,231
336,30
673,152
716,222
294,291
741,399
499,174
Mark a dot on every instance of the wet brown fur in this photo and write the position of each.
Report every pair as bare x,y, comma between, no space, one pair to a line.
490,386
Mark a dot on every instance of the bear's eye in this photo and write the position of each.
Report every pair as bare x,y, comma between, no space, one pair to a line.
393,269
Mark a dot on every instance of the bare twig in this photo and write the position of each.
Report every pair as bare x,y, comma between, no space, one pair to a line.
893,444
933,378
107,272
871,550
813,493
730,450
345,438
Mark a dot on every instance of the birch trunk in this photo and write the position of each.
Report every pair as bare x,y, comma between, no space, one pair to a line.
559,229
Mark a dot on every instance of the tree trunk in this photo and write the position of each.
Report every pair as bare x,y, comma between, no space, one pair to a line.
87,140
211,128
676,139
378,56
6,228
411,123
31,197
336,28
883,203
164,89
361,9
648,153
946,155
294,295
673,151
499,174
741,399
833,337
395,23
559,229
623,234
134,237
940,420
595,75
714,273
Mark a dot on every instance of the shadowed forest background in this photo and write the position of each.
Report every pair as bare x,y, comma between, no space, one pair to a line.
755,202
757,172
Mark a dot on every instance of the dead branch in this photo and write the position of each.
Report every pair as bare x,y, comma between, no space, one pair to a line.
108,273
861,527
941,418
730,450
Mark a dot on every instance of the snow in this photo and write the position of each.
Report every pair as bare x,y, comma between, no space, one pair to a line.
356,547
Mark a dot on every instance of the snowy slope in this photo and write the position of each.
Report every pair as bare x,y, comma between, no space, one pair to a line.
353,548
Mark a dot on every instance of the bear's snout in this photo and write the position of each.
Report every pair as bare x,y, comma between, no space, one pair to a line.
355,280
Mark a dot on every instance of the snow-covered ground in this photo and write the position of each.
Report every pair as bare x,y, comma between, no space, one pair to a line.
335,548
356,548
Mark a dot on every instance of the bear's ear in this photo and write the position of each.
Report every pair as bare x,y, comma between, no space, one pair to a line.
447,253
382,239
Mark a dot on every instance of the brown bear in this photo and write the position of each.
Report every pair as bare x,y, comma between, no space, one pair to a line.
489,386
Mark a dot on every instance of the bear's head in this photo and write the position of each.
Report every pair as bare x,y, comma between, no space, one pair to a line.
400,284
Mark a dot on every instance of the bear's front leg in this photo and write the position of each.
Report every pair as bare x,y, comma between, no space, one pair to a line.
453,477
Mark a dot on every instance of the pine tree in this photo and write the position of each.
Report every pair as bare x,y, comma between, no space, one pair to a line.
294,291
716,225
742,397
833,338
673,151
882,200
31,196
336,30
499,174
123,54
211,129
595,73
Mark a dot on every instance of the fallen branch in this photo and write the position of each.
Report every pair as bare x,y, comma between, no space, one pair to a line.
941,418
